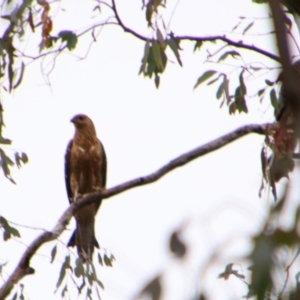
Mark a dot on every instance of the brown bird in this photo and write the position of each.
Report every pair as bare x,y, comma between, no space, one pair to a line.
85,172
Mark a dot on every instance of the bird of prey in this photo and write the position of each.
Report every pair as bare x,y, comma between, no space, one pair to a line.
85,172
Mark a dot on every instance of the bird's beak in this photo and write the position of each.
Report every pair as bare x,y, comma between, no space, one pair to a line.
72,120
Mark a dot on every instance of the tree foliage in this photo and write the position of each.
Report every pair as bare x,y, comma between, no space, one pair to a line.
233,90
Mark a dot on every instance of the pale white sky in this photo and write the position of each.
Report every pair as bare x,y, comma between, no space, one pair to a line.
215,197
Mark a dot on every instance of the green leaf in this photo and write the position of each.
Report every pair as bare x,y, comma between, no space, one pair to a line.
160,39
248,27
10,55
269,82
176,245
175,47
80,288
14,232
5,141
18,160
157,55
107,261
236,26
157,81
255,68
262,258
149,12
24,158
97,7
264,161
145,57
232,108
215,79
100,259
8,231
63,270
240,100
151,65
274,100
226,89
5,164
100,284
234,54
69,37
198,45
52,40
220,90
260,92
89,294
112,257
64,291
53,253
242,84
18,82
205,76
79,269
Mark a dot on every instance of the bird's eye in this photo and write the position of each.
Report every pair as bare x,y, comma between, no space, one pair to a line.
80,118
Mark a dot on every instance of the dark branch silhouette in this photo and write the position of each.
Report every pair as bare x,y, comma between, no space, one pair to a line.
238,44
23,268
290,76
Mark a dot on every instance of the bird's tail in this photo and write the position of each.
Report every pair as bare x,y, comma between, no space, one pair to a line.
84,239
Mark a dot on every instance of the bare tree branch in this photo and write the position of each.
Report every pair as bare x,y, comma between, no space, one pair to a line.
23,268
239,44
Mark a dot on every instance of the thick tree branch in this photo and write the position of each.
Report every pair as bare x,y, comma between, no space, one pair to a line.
290,75
23,268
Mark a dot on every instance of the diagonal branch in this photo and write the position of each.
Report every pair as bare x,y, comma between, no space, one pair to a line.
230,42
23,268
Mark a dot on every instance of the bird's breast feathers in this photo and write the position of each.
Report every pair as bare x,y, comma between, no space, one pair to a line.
86,161
86,152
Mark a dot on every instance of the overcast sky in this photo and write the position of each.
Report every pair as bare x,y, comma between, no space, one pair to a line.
215,198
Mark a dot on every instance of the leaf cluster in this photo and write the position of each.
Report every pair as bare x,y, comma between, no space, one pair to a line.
155,59
85,272
267,252
8,231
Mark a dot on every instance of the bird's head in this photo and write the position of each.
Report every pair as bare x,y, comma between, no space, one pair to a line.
83,122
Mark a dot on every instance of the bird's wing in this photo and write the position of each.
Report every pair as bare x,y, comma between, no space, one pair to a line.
67,171
103,169
103,166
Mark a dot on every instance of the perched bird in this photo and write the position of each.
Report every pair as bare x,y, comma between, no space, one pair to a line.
85,172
